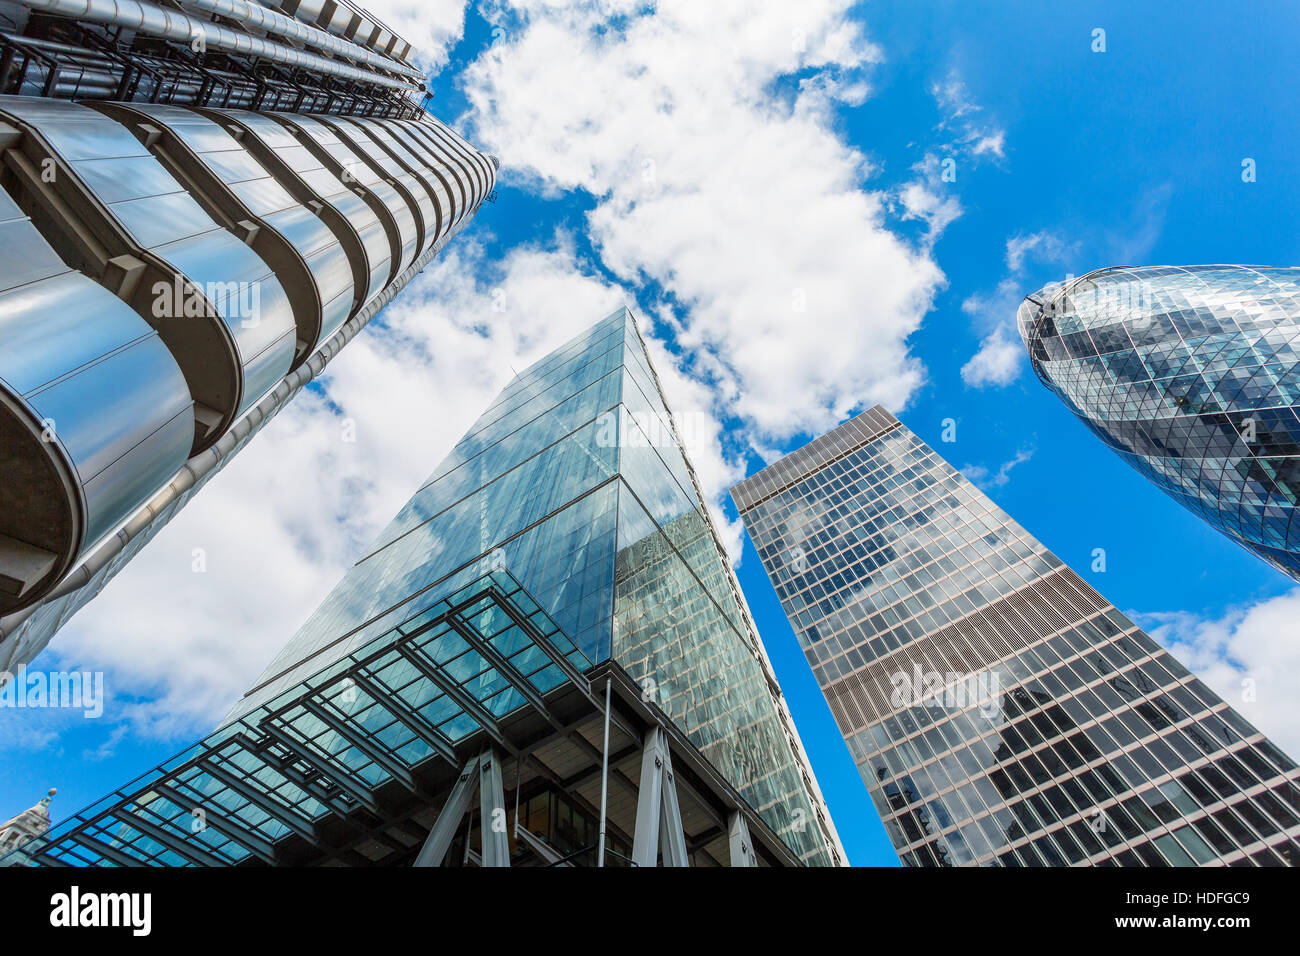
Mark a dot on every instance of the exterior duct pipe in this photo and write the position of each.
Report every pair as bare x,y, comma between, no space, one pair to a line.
153,20
256,15
211,459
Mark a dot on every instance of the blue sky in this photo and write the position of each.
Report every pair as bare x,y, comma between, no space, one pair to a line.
778,161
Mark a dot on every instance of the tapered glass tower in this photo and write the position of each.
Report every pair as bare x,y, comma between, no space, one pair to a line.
560,557
199,214
1000,711
1192,376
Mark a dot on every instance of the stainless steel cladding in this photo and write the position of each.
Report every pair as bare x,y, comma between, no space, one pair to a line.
278,24
227,54
238,192
155,21
385,162
218,306
355,224
397,212
94,412
474,175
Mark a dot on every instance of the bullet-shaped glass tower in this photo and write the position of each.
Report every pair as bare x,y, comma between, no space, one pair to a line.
1192,376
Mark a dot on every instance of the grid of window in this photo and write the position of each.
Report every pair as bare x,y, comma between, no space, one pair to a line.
672,636
1000,711
883,546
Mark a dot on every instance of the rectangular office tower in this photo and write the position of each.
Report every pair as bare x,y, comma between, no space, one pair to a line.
1000,711
549,623
201,205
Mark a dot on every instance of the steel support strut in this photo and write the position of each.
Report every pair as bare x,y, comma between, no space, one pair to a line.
742,847
481,775
658,814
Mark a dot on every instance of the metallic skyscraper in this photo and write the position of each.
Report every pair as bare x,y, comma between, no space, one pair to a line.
201,207
1191,375
558,559
1000,711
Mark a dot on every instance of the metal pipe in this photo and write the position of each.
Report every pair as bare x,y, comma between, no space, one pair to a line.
75,52
277,23
72,72
153,20
604,782
69,73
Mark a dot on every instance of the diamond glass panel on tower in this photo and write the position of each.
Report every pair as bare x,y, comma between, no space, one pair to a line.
1192,375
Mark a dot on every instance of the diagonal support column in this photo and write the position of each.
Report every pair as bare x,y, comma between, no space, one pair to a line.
492,808
539,846
742,847
453,811
658,814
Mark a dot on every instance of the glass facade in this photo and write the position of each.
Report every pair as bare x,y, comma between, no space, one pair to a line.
574,483
1192,375
1000,711
328,746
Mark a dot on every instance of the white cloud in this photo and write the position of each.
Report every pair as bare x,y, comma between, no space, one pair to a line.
748,209
930,199
951,94
931,195
1044,246
1001,355
985,477
996,363
108,746
994,143
1250,656
960,120
1132,242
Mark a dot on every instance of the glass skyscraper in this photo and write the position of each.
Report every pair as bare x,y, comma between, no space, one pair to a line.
559,553
198,215
1192,375
1000,711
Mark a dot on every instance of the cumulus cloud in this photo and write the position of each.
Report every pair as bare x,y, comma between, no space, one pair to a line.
1250,656
1001,355
740,209
929,198
996,363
